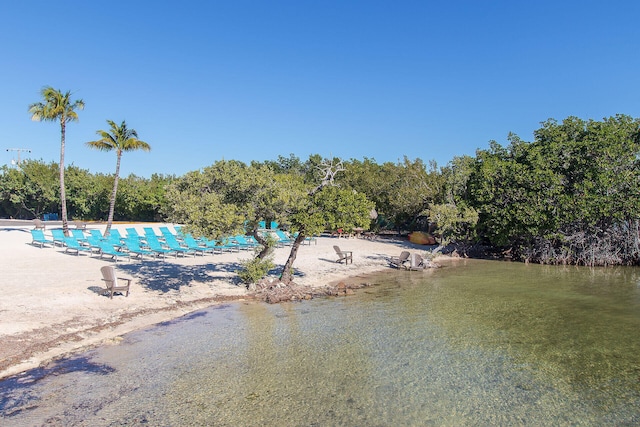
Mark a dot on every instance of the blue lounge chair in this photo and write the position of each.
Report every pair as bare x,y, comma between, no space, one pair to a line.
38,238
114,237
94,243
174,245
132,245
78,235
71,245
107,249
229,245
132,233
273,225
243,243
96,234
155,245
282,238
221,246
166,232
148,232
58,236
195,246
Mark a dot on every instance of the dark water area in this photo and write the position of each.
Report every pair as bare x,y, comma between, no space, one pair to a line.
478,343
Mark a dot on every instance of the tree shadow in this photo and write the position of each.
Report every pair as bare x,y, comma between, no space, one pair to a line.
163,276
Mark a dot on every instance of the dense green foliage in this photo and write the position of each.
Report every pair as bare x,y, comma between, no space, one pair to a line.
572,195
33,189
231,197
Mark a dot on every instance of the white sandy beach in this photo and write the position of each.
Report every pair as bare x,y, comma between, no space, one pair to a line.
51,302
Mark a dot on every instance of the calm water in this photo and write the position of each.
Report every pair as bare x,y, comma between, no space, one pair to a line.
482,343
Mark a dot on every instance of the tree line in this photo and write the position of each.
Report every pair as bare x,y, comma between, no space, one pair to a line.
569,196
32,190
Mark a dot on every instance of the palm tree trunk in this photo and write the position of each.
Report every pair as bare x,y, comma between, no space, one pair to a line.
112,204
287,270
63,195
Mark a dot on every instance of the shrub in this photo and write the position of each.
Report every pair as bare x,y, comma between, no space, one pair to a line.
255,269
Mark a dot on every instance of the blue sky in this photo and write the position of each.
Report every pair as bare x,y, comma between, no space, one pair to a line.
250,80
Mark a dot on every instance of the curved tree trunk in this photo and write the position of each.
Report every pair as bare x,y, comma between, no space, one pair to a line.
266,249
63,195
112,203
287,270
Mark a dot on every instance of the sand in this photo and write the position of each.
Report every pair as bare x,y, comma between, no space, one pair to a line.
52,305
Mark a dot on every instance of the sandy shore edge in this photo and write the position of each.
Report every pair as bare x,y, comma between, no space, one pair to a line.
52,305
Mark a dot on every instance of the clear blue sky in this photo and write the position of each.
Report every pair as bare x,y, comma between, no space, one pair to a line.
250,80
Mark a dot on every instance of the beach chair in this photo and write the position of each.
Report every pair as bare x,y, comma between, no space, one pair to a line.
400,261
132,245
417,263
273,225
78,235
155,245
94,244
58,236
148,232
37,238
166,232
96,234
132,233
243,243
80,225
282,238
114,236
72,245
108,249
174,245
224,245
345,256
114,284
195,246
38,224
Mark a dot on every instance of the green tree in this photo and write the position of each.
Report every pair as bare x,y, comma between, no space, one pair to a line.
231,197
30,190
57,106
570,196
326,206
120,139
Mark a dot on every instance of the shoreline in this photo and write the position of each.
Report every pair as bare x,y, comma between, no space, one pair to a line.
51,305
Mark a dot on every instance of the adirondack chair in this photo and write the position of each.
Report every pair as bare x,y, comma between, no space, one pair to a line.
345,256
400,261
417,263
114,284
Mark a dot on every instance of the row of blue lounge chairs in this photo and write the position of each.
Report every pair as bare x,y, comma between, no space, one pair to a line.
134,245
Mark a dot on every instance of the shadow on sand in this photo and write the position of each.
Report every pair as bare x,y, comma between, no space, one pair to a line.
165,276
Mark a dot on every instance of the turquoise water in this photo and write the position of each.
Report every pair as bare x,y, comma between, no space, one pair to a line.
481,343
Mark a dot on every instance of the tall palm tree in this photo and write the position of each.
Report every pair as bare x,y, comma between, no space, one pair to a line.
120,138
57,106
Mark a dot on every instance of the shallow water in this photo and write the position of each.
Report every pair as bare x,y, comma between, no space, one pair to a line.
481,343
